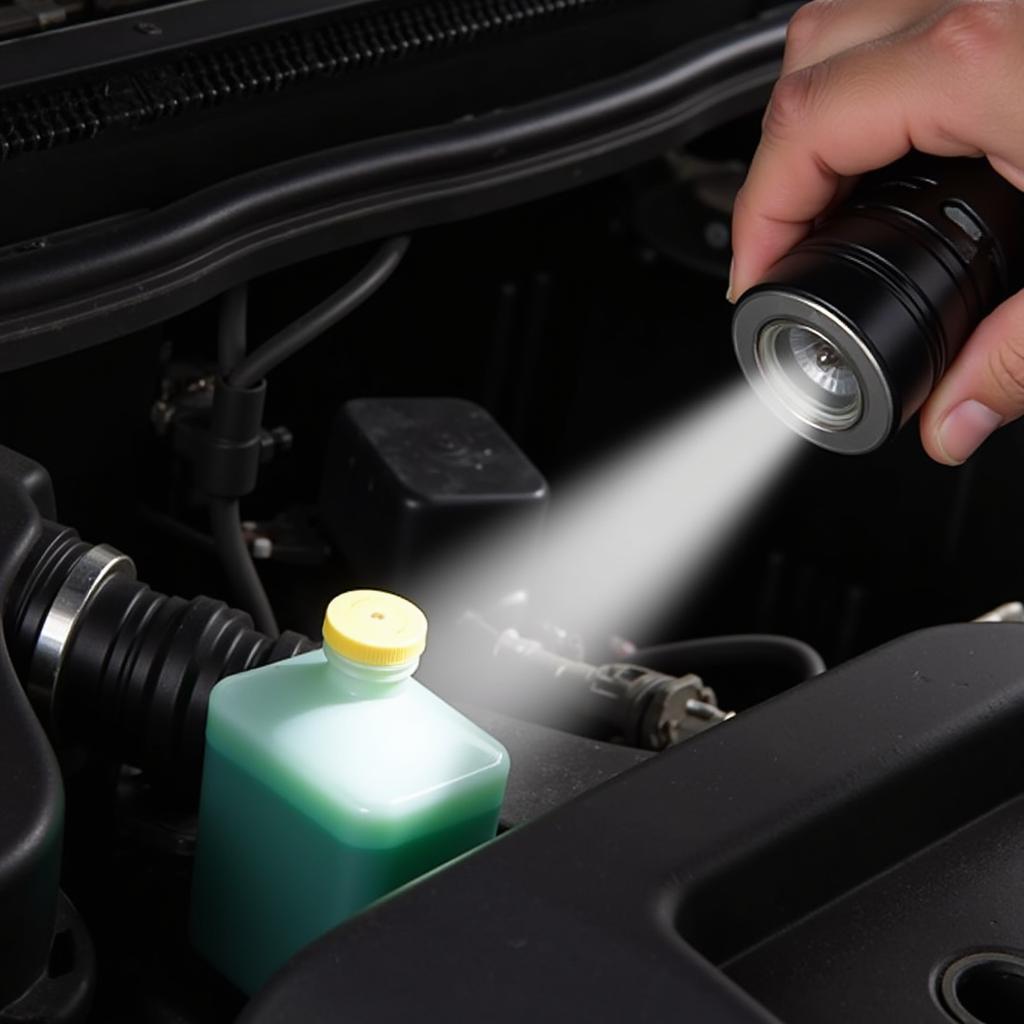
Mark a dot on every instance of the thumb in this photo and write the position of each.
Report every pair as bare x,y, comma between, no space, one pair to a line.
983,390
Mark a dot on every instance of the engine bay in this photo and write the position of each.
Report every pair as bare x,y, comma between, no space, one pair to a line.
445,318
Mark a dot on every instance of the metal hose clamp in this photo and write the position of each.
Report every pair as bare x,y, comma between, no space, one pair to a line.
86,577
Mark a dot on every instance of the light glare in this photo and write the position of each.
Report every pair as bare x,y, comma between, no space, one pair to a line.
638,530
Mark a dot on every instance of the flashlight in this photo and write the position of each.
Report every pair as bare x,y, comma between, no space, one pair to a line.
850,331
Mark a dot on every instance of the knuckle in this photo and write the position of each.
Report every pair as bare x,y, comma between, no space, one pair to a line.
805,26
793,100
974,33
1006,367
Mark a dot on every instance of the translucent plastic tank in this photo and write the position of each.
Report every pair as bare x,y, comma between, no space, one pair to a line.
331,779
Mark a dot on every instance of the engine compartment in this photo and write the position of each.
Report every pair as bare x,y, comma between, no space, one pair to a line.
771,823
842,571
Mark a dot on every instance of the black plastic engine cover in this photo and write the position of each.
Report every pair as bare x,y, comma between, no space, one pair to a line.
32,801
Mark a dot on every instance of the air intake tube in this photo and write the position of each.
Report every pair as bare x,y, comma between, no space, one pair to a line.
108,660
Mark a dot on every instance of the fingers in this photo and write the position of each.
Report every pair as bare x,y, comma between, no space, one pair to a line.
948,88
864,82
823,28
983,390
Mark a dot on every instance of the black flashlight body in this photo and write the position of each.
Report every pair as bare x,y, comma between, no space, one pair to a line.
895,281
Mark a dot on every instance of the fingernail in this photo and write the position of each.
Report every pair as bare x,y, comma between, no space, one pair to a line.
729,295
964,429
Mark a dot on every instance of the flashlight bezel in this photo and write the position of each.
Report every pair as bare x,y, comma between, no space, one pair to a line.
764,307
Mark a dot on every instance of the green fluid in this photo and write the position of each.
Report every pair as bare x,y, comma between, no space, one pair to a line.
324,790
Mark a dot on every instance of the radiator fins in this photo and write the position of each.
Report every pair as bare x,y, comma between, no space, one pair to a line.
201,79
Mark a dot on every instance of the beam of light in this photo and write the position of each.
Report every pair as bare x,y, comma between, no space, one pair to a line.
631,535
635,531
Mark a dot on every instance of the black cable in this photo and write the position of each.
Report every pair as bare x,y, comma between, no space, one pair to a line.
225,513
743,669
246,585
232,329
240,372
321,318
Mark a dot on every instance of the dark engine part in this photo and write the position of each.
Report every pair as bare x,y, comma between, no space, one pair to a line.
113,664
45,955
405,478
629,703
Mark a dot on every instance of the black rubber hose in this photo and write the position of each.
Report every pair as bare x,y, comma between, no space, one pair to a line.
243,579
321,318
242,371
743,669
137,669
660,89
232,329
425,176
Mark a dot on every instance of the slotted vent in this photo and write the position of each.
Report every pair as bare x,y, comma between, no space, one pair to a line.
201,79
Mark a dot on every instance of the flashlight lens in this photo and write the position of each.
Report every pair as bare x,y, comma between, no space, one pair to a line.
810,375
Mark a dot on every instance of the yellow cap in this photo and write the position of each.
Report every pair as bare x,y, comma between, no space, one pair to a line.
375,628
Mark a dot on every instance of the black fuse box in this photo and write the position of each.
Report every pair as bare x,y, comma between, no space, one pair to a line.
405,478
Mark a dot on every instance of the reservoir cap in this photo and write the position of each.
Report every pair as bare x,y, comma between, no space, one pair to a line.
372,627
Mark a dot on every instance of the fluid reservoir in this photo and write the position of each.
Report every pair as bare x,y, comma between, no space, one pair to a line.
329,780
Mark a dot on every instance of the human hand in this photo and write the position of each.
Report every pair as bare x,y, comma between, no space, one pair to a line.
863,83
